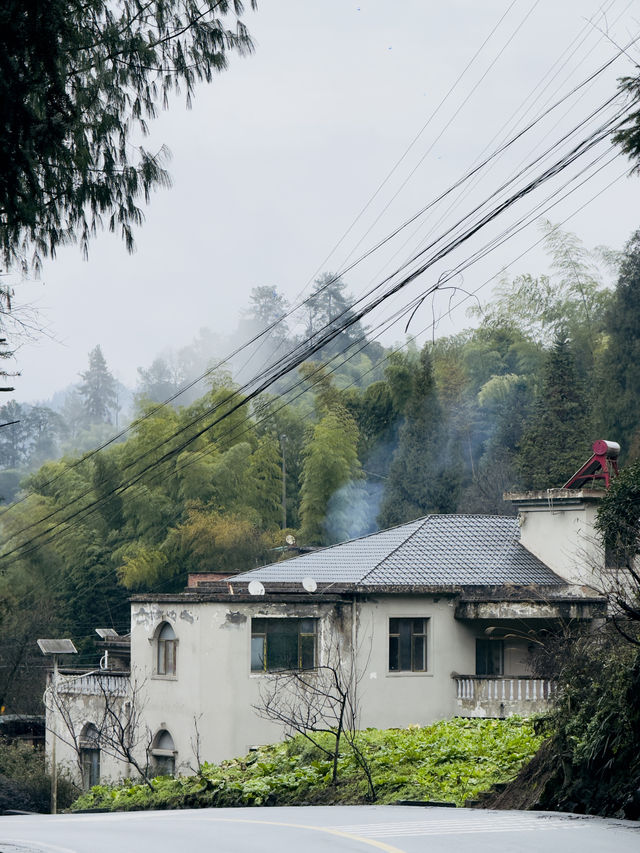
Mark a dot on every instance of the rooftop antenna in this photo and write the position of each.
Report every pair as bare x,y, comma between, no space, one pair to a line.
309,584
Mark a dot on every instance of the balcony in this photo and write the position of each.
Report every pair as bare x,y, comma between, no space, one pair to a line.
95,683
503,695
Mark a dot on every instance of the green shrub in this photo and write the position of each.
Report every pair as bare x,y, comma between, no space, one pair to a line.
25,784
451,761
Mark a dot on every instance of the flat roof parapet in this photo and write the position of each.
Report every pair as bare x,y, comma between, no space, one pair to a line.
549,497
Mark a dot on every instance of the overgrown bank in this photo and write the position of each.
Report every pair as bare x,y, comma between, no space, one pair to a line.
591,764
451,761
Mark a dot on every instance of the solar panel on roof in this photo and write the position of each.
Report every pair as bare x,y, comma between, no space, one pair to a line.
57,647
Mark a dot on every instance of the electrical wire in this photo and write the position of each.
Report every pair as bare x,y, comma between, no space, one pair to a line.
578,150
469,295
351,266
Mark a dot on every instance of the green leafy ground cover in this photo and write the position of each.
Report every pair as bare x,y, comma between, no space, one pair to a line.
449,761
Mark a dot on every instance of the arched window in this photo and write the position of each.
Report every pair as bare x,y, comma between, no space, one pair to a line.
90,756
163,754
166,646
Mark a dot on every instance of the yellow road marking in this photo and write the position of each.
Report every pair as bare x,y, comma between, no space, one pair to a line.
371,842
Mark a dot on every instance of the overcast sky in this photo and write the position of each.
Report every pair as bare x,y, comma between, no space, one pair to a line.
280,154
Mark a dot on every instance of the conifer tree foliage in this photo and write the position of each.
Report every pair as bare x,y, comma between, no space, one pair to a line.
327,305
157,382
78,79
98,389
424,476
558,438
621,375
628,137
268,307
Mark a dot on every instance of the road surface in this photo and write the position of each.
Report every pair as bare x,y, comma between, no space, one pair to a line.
339,829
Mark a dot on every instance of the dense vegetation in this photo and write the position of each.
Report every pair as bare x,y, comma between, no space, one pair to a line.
447,762
25,784
368,437
79,79
591,763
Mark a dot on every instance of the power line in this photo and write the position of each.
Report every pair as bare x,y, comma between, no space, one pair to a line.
585,145
469,295
351,266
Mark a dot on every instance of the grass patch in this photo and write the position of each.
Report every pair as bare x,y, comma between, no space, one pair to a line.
450,761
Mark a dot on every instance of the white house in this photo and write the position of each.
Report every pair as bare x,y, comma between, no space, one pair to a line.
436,618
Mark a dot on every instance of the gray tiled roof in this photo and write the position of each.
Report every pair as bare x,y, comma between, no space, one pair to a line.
439,550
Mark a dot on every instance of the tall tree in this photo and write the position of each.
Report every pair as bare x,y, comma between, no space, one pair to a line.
157,382
621,374
13,436
98,389
79,79
328,305
268,306
628,137
43,427
572,300
264,478
558,437
330,463
425,472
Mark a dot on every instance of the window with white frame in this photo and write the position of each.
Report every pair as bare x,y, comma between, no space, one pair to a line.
407,645
166,649
281,644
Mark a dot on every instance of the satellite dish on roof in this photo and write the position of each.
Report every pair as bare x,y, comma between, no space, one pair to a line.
289,539
309,584
255,588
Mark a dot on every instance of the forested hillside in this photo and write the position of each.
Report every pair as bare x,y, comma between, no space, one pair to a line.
366,436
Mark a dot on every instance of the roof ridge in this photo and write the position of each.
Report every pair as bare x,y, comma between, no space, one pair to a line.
424,520
326,548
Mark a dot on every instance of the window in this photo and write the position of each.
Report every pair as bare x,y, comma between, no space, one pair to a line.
489,657
163,754
408,645
283,644
166,650
89,756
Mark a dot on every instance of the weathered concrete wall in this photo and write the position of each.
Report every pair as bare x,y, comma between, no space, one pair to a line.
390,699
81,708
215,691
558,527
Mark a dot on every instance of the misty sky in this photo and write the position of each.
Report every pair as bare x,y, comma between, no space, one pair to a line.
280,154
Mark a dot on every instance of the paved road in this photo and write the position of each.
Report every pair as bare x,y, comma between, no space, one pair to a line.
339,829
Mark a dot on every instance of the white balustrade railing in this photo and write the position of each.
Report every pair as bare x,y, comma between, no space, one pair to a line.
504,688
94,684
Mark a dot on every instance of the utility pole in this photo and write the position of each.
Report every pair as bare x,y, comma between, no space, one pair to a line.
54,648
283,439
54,763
